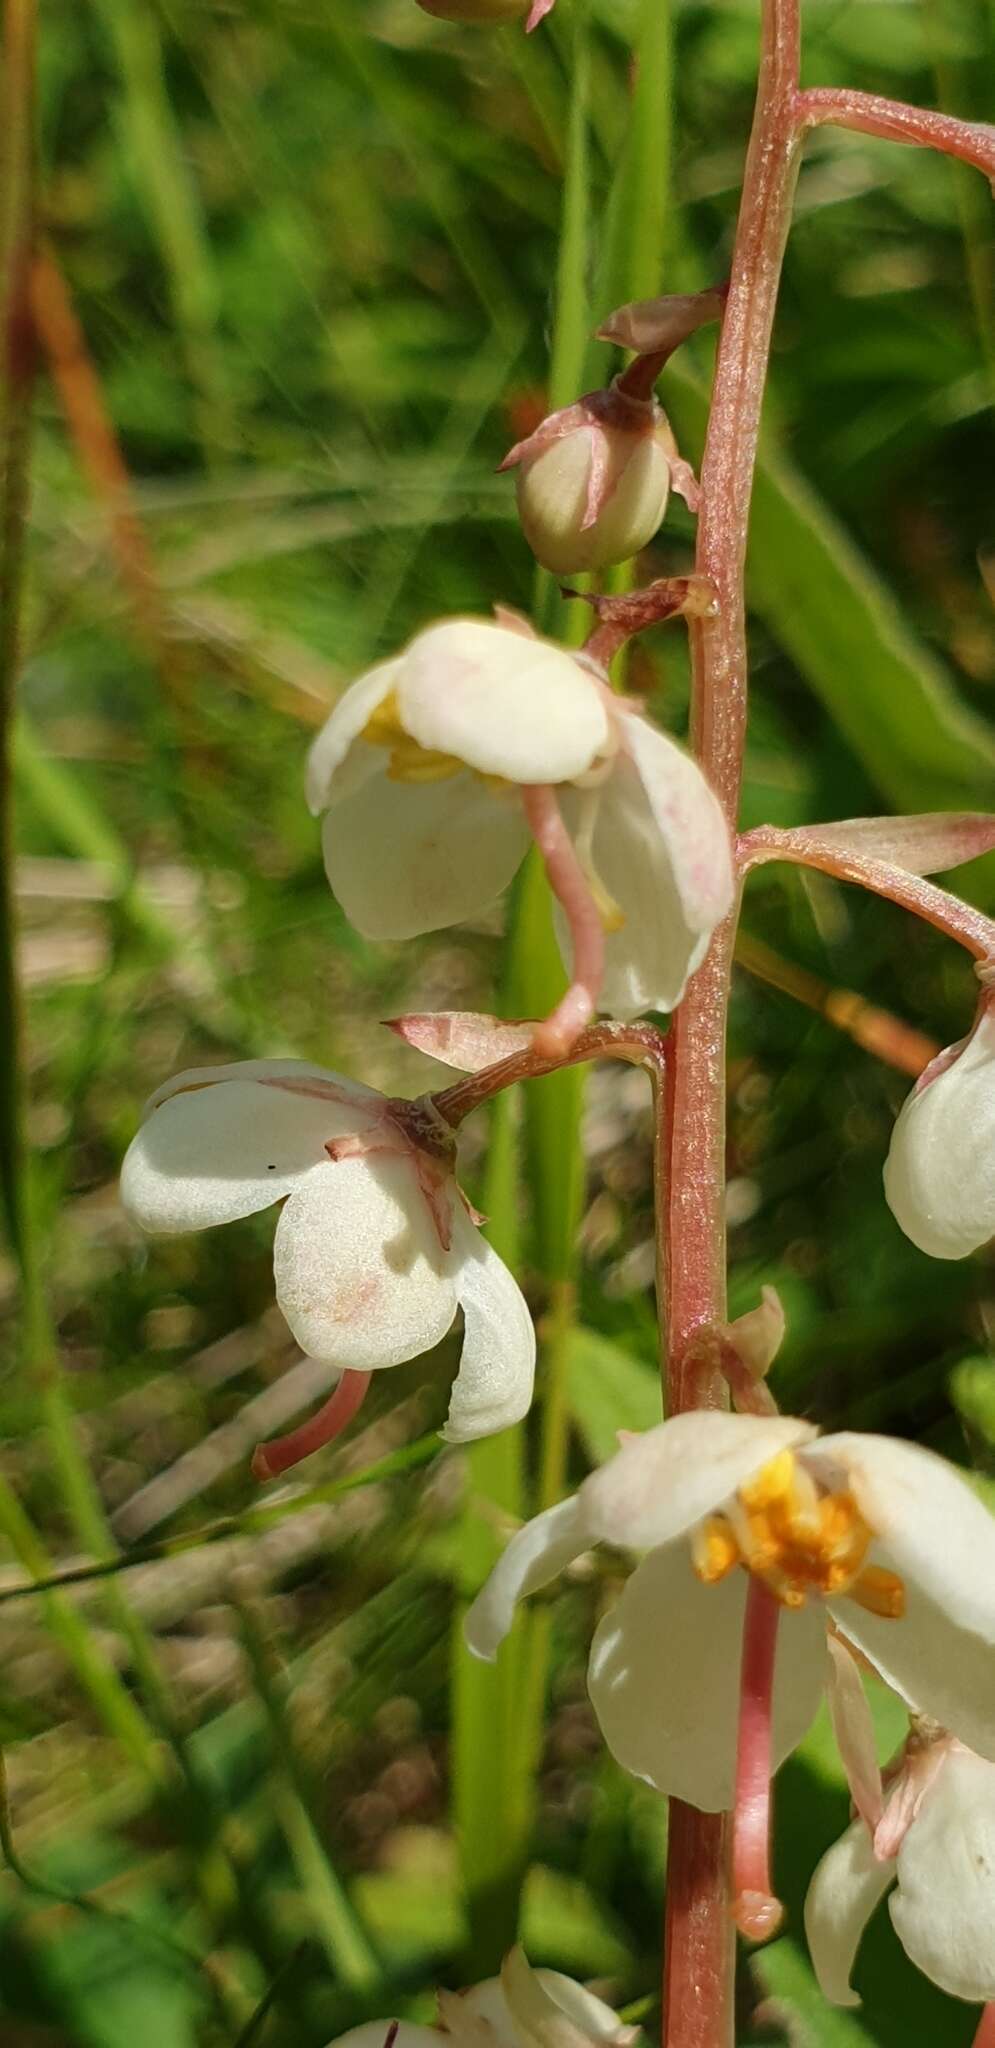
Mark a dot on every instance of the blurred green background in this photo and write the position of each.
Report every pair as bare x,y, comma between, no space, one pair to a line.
301,274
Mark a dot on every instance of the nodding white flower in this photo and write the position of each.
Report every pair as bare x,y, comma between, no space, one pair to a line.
523,2008
436,768
748,1522
593,480
935,1843
375,1248
939,1177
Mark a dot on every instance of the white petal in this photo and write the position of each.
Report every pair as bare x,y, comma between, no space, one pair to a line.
548,2010
944,1907
410,857
661,847
846,1887
939,1177
935,1533
508,706
497,1368
853,1727
664,1678
536,1554
360,1275
215,1149
663,1482
590,2014
329,777
301,1071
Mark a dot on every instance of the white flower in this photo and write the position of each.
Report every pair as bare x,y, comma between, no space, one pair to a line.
523,2008
428,765
936,1844
939,1177
374,1249
882,1535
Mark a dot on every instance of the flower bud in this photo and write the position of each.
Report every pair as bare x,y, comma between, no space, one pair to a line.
474,10
939,1177
593,481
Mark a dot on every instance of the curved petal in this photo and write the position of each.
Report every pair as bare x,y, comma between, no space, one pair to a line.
215,1149
940,1168
410,857
664,1678
360,1275
497,1367
663,1482
939,1176
590,2015
509,706
661,847
935,1533
843,1893
337,1087
536,1554
548,2010
330,776
944,1907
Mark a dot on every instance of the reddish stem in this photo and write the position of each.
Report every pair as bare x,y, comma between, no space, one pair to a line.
270,1459
642,1045
699,1931
868,112
756,1911
960,921
985,2036
556,1034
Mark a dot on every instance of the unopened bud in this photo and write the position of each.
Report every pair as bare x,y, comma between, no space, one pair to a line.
593,481
474,10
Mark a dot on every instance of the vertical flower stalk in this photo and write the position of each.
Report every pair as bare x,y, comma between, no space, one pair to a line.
699,1947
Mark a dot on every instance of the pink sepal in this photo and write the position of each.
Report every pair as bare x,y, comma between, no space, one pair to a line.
926,843
465,1039
537,13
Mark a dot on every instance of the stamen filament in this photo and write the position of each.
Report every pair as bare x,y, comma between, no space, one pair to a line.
756,1911
270,1459
554,1037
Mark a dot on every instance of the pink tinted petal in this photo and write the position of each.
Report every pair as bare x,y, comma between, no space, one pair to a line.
538,13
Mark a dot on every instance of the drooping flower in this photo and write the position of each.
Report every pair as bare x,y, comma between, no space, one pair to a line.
436,768
935,1843
756,1532
375,1248
939,1177
523,2008
593,480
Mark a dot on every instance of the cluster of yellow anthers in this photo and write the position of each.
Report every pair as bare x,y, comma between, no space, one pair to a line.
797,1538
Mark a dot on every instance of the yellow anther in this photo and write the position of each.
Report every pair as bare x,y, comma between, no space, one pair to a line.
880,1591
772,1483
408,762
800,1542
714,1550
